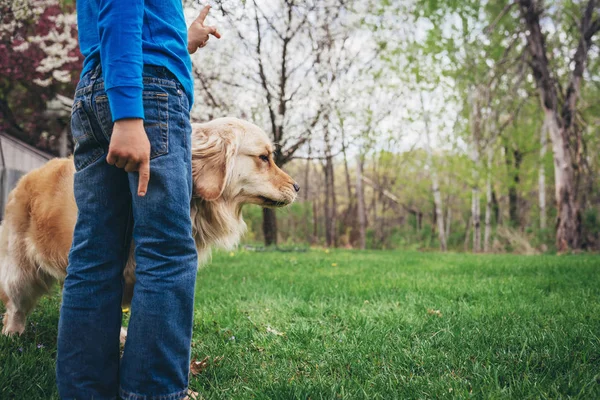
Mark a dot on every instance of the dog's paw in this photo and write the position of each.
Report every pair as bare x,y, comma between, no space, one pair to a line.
193,395
13,329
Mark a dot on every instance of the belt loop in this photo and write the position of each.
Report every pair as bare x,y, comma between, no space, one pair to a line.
97,72
94,78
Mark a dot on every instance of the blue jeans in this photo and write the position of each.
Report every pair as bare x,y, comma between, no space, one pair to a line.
155,363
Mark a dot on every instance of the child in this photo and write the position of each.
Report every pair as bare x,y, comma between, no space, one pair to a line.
132,133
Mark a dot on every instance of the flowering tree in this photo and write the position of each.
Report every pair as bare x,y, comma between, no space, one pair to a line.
40,59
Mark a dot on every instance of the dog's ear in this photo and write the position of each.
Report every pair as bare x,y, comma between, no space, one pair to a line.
213,154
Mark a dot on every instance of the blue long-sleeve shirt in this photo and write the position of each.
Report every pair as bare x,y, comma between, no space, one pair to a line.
122,36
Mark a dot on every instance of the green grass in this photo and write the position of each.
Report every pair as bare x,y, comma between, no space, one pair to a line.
364,326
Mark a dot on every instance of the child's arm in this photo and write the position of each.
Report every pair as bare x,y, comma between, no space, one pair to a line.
120,30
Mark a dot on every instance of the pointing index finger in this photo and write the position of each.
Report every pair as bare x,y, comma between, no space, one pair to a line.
203,14
144,177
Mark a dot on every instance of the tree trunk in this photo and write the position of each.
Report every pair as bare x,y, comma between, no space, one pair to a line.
346,169
542,178
373,205
475,146
435,184
330,201
437,198
496,208
476,213
328,205
348,220
448,219
488,202
270,226
305,192
315,238
567,231
334,215
361,208
468,233
513,190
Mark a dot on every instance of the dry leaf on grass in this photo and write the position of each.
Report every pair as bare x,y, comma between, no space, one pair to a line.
437,313
274,331
198,367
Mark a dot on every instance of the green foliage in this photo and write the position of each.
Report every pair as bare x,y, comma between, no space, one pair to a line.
591,227
371,325
295,223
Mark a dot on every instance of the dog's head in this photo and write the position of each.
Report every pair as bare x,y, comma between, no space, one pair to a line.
232,160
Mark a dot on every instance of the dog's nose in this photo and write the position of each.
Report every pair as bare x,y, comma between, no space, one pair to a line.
296,187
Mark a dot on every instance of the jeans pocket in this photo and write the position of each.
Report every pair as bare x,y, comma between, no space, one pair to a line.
104,115
87,149
156,119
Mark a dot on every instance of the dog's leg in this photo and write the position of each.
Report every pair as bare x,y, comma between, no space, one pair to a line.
19,307
128,278
14,319
22,288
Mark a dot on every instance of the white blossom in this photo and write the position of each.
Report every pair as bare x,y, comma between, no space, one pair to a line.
43,82
22,47
57,44
61,75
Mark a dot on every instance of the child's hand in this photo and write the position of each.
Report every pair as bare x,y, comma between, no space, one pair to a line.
198,34
130,149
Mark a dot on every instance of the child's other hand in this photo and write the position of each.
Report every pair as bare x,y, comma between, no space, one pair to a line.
198,34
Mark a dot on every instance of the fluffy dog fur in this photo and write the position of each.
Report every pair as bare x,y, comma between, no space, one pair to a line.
232,166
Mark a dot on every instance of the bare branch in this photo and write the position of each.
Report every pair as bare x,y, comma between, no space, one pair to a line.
205,87
287,156
490,28
263,77
269,22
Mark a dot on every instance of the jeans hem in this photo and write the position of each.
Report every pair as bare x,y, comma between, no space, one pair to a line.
135,396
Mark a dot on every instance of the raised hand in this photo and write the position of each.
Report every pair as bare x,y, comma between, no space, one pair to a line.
198,33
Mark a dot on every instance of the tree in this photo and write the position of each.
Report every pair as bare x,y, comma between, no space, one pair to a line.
40,60
560,113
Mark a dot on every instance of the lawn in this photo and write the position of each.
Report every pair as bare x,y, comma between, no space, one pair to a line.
371,325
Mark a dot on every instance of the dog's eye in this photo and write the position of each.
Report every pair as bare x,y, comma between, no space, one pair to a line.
264,158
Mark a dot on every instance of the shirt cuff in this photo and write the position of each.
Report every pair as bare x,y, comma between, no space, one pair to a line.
125,102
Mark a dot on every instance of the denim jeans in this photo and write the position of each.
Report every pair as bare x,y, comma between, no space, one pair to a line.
155,362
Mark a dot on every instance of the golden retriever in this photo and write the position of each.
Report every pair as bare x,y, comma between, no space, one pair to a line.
232,165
